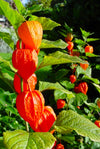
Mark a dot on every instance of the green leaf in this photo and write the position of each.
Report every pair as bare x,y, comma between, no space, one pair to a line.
54,86
92,39
79,99
70,120
80,42
53,44
6,71
97,87
12,15
7,98
1,12
11,32
58,94
69,29
80,70
95,145
45,74
91,54
11,110
67,84
92,105
7,74
19,6
68,138
5,60
59,75
23,140
96,81
98,66
47,23
35,8
59,58
7,77
7,38
81,49
1,143
85,33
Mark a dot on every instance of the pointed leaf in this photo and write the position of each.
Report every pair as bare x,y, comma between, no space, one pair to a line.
19,6
92,106
86,72
59,58
6,98
7,38
80,42
70,120
97,87
85,33
5,61
53,44
12,15
54,86
47,23
92,39
96,81
35,8
79,99
91,55
68,138
23,140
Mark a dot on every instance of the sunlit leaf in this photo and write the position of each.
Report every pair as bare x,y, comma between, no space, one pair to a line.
80,42
91,55
7,38
86,72
47,23
54,86
53,44
92,39
70,120
59,58
85,33
35,8
12,15
19,5
23,140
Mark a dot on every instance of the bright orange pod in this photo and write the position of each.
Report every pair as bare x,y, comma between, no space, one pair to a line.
21,45
30,106
98,102
69,37
21,85
25,61
97,122
31,33
84,66
60,103
46,121
70,45
89,49
83,87
60,146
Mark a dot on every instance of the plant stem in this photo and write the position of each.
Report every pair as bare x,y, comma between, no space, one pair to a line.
27,127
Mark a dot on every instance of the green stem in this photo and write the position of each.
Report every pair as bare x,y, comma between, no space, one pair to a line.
26,123
27,127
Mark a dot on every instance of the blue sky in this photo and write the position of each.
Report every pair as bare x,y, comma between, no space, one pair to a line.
24,1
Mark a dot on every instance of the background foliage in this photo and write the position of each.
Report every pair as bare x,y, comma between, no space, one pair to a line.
54,69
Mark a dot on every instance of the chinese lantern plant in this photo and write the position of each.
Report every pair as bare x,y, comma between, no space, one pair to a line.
30,101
